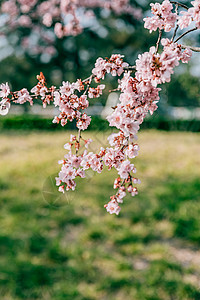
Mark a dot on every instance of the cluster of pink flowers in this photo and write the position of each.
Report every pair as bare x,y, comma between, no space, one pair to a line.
115,65
163,17
192,14
139,94
96,92
71,105
20,97
157,68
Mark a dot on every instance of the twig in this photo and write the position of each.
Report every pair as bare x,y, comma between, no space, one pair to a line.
130,68
195,49
78,141
89,80
177,26
182,35
158,41
175,31
179,4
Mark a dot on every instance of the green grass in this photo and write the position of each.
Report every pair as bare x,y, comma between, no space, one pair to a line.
60,247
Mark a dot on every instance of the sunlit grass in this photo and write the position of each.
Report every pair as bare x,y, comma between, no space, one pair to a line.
55,246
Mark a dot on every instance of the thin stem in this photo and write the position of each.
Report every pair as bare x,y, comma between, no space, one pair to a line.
182,35
130,68
175,31
177,26
88,84
89,78
179,4
158,41
78,141
195,49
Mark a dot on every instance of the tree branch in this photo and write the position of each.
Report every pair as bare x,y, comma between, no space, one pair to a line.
179,4
182,35
177,26
158,41
195,49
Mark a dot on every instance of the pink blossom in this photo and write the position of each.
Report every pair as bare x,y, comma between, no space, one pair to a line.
87,143
83,102
121,194
96,92
58,29
195,12
24,21
4,90
47,19
66,89
185,19
186,55
112,207
68,146
4,107
83,122
163,18
132,190
24,96
125,169
117,183
72,138
115,65
43,92
132,150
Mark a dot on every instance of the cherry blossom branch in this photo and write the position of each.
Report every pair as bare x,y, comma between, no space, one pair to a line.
182,35
139,94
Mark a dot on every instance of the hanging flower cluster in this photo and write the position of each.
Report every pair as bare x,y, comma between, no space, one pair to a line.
139,95
192,14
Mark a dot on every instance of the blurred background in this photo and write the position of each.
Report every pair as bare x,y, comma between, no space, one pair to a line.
64,247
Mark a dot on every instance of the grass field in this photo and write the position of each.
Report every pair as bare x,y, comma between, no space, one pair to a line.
55,247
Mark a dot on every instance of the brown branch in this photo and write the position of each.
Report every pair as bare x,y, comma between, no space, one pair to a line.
177,26
130,68
179,4
158,41
182,35
78,141
175,31
89,80
195,49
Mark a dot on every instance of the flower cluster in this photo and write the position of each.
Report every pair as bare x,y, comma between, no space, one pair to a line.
115,65
192,14
96,92
71,105
139,94
157,68
39,91
163,17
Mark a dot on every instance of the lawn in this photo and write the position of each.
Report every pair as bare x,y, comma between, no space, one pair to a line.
60,247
